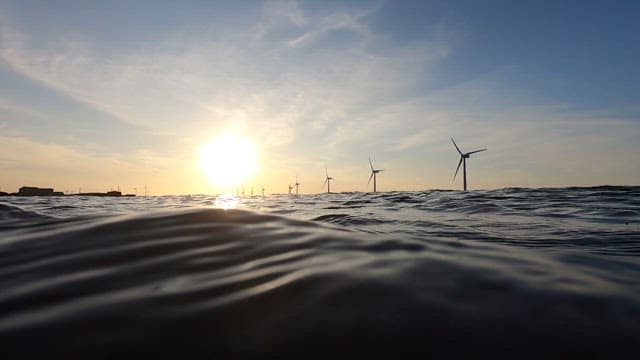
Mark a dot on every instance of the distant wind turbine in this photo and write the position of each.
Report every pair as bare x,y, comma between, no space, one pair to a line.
297,184
327,180
374,172
290,188
463,161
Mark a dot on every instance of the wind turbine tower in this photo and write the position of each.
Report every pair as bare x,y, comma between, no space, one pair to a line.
374,172
463,162
297,184
327,180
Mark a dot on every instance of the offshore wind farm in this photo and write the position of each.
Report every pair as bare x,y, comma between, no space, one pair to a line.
300,198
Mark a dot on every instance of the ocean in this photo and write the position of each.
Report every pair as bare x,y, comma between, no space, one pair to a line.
509,273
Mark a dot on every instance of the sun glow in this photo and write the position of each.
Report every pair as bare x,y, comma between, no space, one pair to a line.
228,160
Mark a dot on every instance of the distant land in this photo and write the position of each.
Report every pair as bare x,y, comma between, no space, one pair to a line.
36,191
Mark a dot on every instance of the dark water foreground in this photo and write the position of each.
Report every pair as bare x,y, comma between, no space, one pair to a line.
513,273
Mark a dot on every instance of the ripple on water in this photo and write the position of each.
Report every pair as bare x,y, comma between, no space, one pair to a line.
443,274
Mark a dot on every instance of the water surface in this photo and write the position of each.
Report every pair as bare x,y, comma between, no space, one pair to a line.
512,272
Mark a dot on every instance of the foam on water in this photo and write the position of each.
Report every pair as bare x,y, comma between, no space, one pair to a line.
511,272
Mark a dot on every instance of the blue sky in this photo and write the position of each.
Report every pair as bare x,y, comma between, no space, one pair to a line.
99,94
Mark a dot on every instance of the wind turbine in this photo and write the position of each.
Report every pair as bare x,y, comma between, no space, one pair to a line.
290,188
297,184
374,172
463,161
327,180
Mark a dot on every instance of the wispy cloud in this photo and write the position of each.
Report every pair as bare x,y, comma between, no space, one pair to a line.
201,78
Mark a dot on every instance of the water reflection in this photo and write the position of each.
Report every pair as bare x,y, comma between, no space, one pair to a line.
226,202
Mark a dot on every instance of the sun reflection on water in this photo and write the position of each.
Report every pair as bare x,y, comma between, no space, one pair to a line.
227,201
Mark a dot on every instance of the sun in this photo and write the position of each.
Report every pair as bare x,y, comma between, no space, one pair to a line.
228,160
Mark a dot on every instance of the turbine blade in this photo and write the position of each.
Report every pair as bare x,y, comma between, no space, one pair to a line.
325,182
370,177
477,151
457,148
326,172
370,163
458,168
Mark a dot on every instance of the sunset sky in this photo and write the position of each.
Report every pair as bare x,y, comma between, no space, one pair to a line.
100,94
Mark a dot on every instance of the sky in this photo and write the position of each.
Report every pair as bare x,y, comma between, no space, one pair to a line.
98,95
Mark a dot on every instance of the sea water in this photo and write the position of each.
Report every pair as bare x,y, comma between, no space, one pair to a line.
517,273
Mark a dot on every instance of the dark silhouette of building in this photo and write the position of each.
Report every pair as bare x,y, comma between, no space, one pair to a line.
108,193
36,191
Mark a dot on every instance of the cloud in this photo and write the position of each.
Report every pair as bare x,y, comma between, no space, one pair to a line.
188,81
333,22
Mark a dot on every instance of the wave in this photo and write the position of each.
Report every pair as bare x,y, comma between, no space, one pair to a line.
451,276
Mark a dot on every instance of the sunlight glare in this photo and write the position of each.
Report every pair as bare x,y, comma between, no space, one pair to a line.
226,202
228,160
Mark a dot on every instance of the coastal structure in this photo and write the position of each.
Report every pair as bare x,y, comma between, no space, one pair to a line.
36,191
108,193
